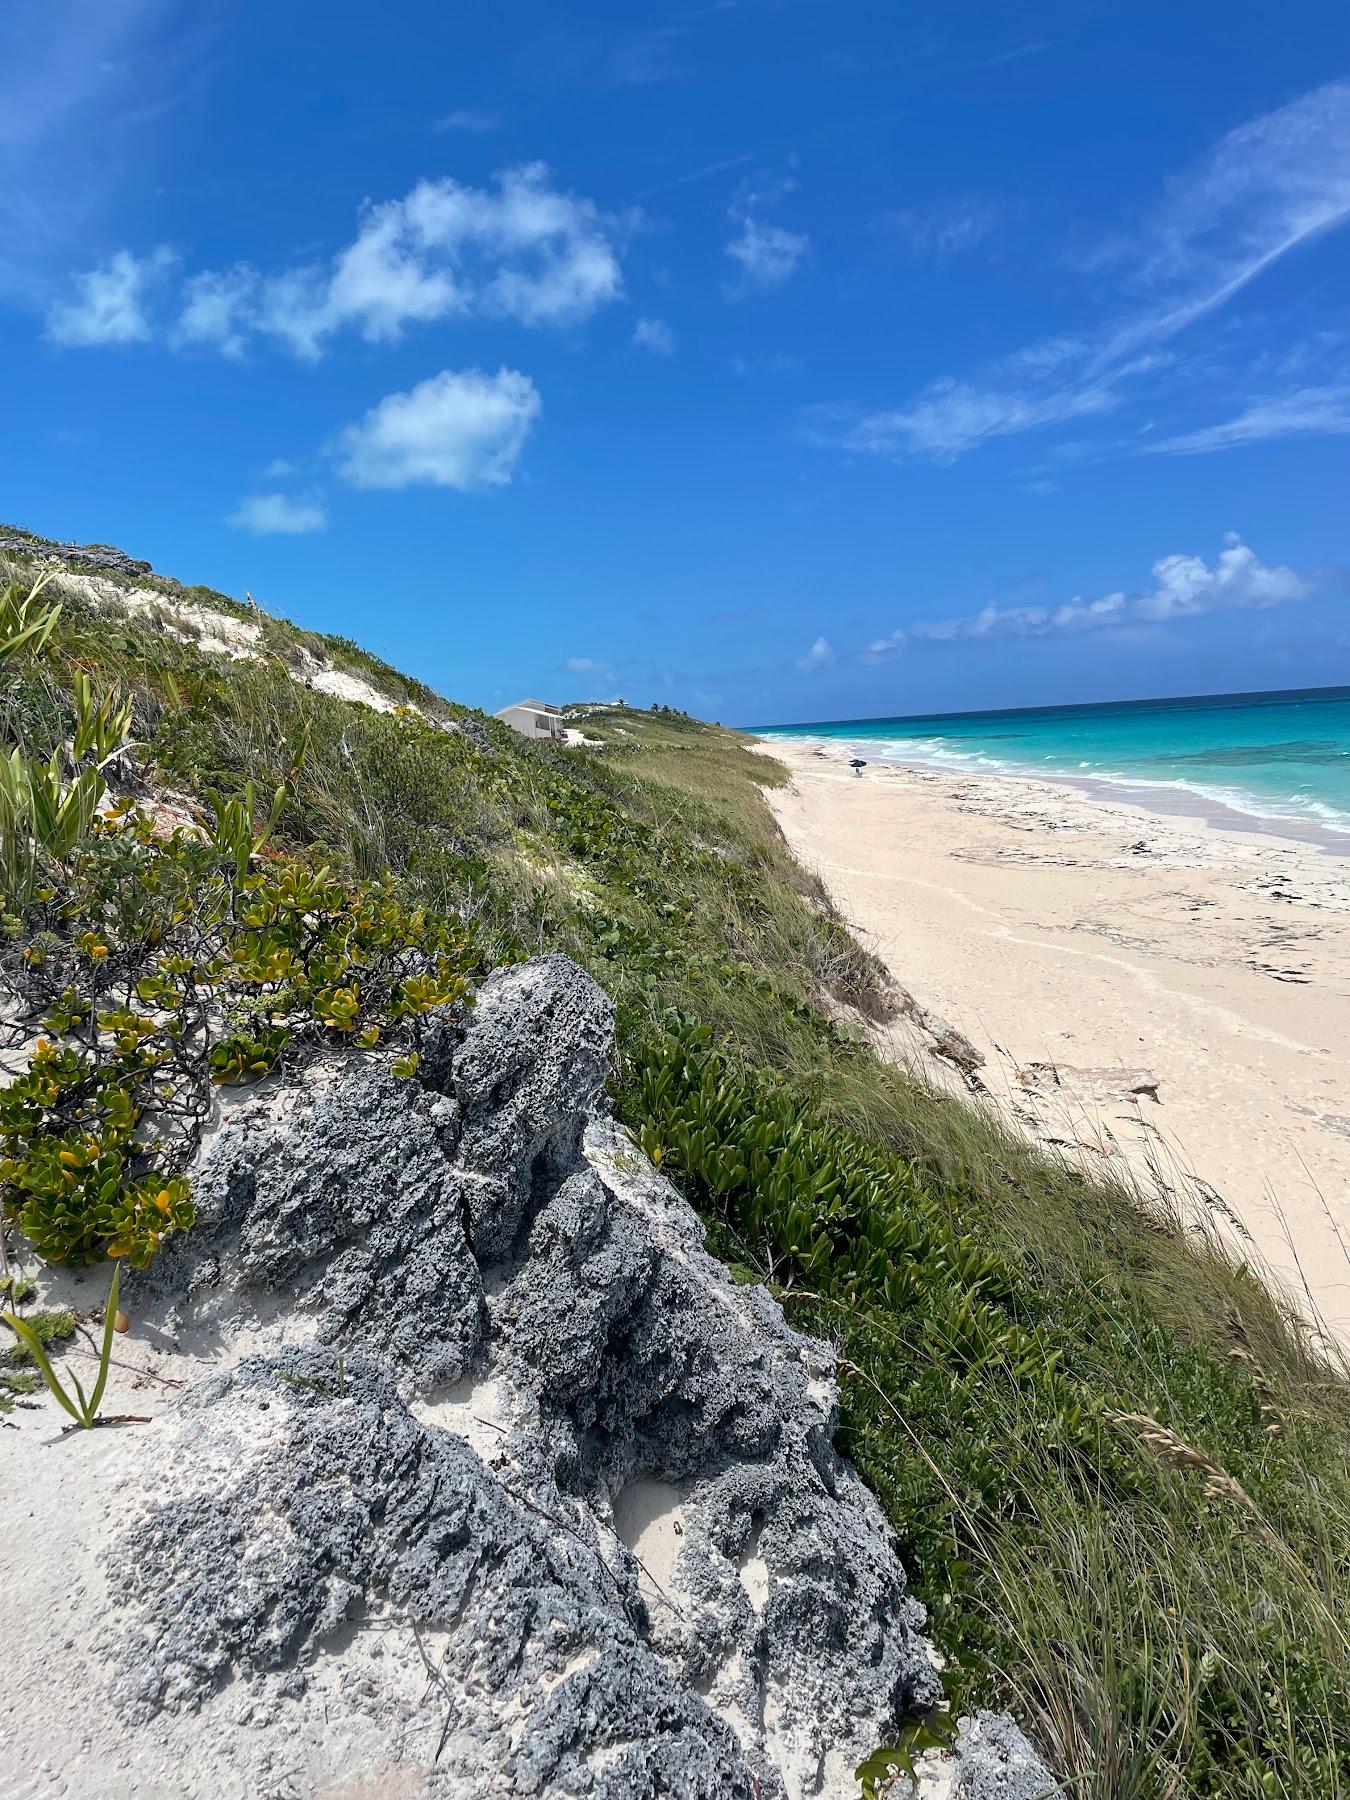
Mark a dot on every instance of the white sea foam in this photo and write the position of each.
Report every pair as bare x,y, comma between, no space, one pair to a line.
941,753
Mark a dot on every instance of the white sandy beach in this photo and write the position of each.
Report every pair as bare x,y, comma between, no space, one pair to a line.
1086,948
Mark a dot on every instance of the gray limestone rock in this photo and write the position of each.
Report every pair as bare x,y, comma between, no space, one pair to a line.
88,556
328,1209
498,1461
306,1505
993,1761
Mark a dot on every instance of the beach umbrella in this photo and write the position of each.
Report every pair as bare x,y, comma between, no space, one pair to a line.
857,764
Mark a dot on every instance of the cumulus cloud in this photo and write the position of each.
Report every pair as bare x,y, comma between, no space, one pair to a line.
110,301
1186,585
519,248
1183,588
1264,191
522,250
654,335
278,515
817,656
458,430
217,311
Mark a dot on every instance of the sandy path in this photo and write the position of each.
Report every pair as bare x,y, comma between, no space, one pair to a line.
1111,945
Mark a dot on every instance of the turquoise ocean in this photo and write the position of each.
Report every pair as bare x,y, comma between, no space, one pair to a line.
1282,759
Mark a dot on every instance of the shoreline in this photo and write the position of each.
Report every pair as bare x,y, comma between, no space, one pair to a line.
1150,994
1167,799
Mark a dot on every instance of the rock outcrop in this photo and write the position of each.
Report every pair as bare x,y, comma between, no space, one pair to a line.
495,1482
87,556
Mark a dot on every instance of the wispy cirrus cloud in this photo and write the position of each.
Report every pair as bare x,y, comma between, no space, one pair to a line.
1266,190
939,233
1183,587
468,118
885,649
652,56
1307,412
1018,53
951,417
703,173
519,249
88,80
766,254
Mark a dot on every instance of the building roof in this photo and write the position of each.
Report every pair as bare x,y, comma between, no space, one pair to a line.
538,705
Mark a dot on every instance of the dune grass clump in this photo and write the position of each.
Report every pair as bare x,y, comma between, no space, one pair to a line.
987,1412
82,1407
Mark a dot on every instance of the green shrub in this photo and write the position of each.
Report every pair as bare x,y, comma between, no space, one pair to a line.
154,967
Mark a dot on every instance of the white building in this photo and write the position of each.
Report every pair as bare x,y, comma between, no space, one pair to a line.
535,719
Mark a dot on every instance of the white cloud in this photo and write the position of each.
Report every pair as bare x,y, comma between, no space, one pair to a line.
1183,588
583,665
519,249
278,515
885,649
1186,585
654,335
941,233
950,417
817,656
89,80
648,58
1265,190
1308,412
462,431
523,250
779,363
768,255
467,118
1017,53
217,311
109,307
278,469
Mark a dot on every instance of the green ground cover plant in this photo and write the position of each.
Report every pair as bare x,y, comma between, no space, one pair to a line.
1119,1475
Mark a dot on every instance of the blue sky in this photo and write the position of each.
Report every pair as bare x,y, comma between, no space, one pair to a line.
775,359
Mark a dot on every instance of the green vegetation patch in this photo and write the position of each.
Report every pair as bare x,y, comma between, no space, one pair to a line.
1119,1478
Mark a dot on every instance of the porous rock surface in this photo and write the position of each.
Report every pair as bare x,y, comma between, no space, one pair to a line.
496,1484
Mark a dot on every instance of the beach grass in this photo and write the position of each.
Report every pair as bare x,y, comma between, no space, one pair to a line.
1118,1469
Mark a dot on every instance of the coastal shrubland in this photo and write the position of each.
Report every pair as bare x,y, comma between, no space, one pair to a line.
1118,1473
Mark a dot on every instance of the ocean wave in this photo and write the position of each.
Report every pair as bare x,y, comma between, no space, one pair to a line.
1252,804
941,753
